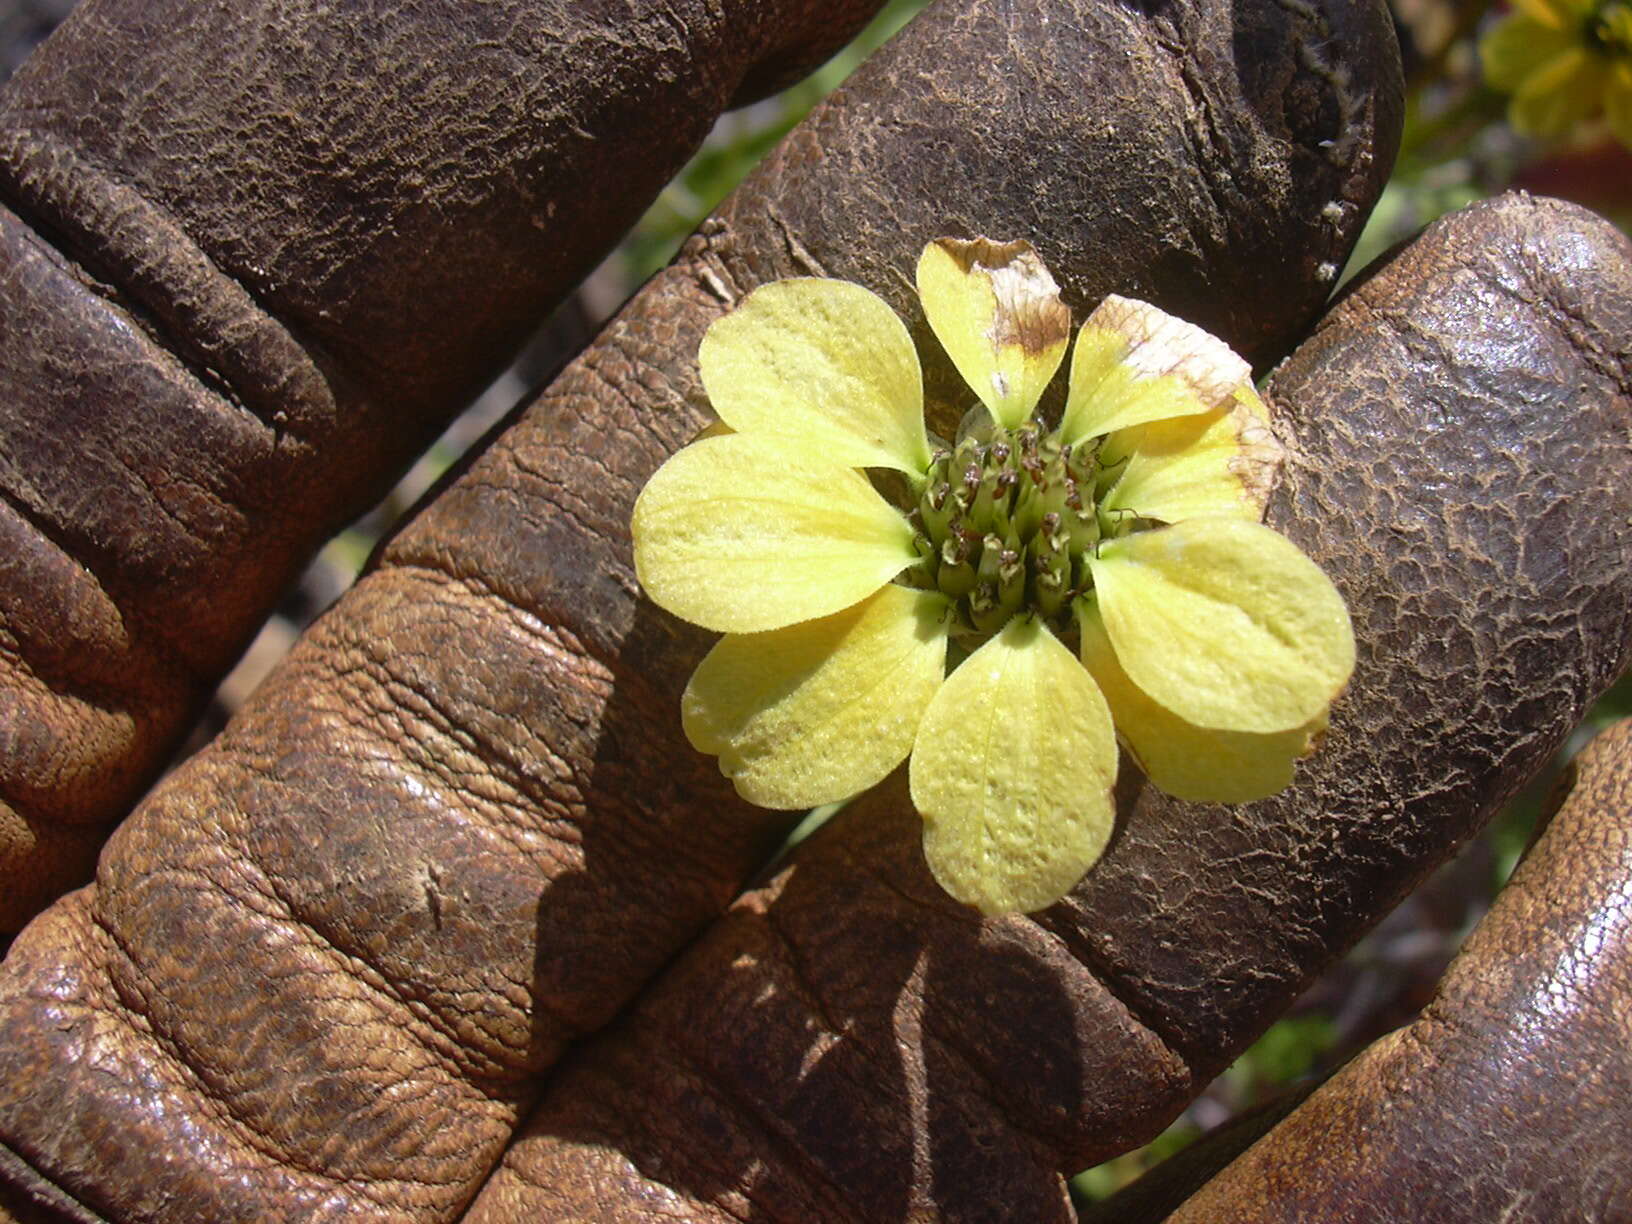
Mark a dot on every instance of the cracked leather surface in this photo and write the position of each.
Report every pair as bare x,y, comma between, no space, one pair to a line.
232,239
1507,1099
431,931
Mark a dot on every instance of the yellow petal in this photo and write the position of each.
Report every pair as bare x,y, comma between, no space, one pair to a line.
997,312
1219,462
1134,363
826,362
1516,47
1187,761
714,429
1562,93
1557,15
1246,395
819,711
1013,771
740,534
1225,623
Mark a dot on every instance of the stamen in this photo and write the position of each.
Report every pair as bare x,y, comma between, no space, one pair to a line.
1008,522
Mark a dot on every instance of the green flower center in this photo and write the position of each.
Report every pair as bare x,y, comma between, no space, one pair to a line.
1609,29
1005,524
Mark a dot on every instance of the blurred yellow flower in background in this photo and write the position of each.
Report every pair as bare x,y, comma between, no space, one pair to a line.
1001,608
1565,62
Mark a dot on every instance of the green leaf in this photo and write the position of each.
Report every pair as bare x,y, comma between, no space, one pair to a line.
819,711
1225,623
997,312
744,533
1187,761
1012,772
824,362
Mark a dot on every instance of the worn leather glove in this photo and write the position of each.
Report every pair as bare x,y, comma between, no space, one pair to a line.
255,257
433,929
1506,1099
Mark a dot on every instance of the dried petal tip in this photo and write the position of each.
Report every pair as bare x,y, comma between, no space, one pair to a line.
1160,343
997,311
1135,364
1029,311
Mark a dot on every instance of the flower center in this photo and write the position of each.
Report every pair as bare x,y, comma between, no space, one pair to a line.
1006,522
1609,29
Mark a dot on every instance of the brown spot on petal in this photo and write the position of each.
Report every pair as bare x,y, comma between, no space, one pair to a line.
1257,464
1160,343
1029,311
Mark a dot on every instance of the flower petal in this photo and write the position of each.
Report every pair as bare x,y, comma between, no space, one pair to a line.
1013,771
1560,15
1516,47
819,711
743,533
1134,363
1187,761
1219,462
826,362
1566,90
997,312
1225,623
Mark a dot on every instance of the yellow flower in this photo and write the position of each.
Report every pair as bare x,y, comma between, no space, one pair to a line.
1563,61
988,607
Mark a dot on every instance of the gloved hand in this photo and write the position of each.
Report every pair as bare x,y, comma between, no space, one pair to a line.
333,966
256,257
1468,1112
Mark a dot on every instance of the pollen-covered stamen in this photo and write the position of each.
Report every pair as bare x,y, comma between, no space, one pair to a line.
1005,520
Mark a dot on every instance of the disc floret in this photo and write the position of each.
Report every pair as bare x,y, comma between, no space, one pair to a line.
1005,524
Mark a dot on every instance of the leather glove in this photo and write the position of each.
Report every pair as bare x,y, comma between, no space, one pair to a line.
434,928
256,257
1505,1098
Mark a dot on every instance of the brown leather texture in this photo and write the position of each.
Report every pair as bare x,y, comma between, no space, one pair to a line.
1510,1098
324,967
252,257
1155,1195
1463,471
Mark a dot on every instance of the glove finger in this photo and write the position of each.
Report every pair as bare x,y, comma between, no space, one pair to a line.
1467,1113
256,255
